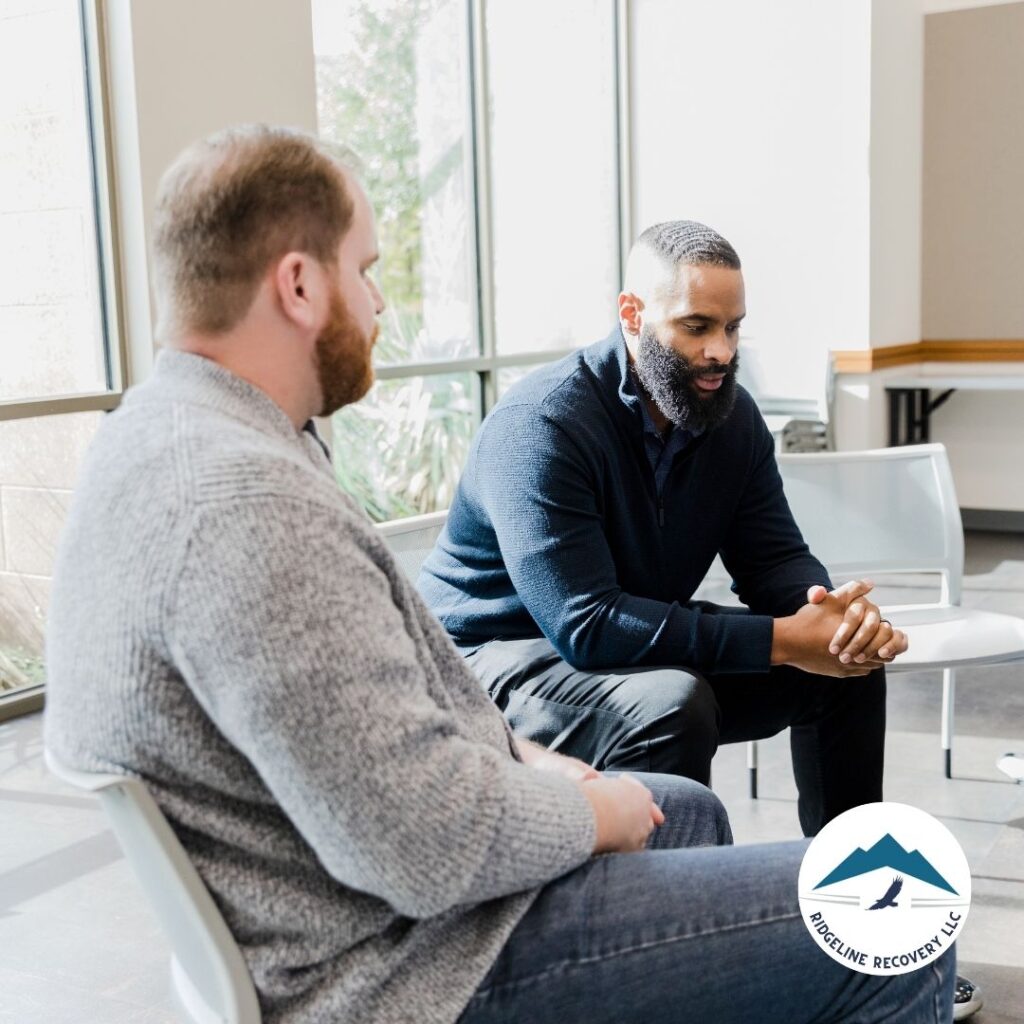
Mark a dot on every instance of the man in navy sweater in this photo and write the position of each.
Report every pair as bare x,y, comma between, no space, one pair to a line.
594,500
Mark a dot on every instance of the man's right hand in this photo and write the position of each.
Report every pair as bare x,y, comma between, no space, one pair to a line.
625,812
803,639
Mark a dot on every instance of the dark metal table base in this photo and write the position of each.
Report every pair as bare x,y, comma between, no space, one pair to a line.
910,412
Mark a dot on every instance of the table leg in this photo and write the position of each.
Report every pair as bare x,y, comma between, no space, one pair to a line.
894,417
910,415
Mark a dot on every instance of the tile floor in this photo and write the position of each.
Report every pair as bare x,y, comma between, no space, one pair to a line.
79,946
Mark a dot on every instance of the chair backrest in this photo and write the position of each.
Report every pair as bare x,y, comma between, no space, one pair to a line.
211,980
412,539
891,510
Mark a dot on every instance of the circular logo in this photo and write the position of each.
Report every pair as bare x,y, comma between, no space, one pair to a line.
885,889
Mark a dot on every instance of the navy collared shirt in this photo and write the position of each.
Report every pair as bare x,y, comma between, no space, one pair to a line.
661,449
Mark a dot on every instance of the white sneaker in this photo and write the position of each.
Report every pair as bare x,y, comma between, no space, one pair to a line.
967,999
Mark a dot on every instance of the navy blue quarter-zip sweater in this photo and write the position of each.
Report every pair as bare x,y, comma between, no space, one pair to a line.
557,529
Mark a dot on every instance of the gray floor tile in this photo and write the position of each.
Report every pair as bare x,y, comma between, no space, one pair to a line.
24,839
96,955
1003,991
40,999
1005,860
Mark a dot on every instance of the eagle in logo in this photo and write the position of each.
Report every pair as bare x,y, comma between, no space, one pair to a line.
889,899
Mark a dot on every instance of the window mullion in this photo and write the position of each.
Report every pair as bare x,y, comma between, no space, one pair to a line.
482,221
97,119
624,127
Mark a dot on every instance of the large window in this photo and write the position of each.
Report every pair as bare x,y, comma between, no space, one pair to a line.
493,165
60,358
554,172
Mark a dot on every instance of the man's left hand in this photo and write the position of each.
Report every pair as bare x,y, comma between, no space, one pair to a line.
548,761
864,636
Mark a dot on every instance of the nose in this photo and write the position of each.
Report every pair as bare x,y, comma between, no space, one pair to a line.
719,347
378,299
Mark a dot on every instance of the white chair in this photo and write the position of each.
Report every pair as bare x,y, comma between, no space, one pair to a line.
210,979
412,539
894,510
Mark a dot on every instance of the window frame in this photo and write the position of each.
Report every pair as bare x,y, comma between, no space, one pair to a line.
488,362
115,352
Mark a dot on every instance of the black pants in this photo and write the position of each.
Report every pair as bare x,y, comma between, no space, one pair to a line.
672,719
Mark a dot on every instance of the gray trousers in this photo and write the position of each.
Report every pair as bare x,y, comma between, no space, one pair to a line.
671,719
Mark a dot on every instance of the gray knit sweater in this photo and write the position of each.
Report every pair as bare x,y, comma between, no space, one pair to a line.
229,627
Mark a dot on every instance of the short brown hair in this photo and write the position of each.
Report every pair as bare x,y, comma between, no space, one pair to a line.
228,207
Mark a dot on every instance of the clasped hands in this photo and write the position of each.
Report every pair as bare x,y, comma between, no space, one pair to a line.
625,813
837,633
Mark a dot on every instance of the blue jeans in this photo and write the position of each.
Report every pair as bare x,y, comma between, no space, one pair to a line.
709,935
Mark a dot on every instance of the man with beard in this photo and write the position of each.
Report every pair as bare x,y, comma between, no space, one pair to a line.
594,500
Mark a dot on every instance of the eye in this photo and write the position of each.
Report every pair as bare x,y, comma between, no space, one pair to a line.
733,328
695,328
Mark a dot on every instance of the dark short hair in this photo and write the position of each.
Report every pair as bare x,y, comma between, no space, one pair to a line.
689,241
229,206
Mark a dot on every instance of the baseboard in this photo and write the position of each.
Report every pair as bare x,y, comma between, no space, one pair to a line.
993,520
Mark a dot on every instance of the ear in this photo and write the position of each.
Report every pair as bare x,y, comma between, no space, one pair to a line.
631,308
300,289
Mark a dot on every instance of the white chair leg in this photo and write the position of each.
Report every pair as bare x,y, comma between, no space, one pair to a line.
948,702
752,767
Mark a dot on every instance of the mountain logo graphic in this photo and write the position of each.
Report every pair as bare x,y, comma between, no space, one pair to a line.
886,853
884,889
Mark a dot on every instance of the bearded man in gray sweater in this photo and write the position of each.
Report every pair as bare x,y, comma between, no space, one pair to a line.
227,626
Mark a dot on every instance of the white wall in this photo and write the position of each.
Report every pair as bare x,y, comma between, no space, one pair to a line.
755,117
893,296
797,129
982,433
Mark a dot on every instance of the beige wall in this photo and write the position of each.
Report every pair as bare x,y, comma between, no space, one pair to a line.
201,66
179,71
973,229
897,58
